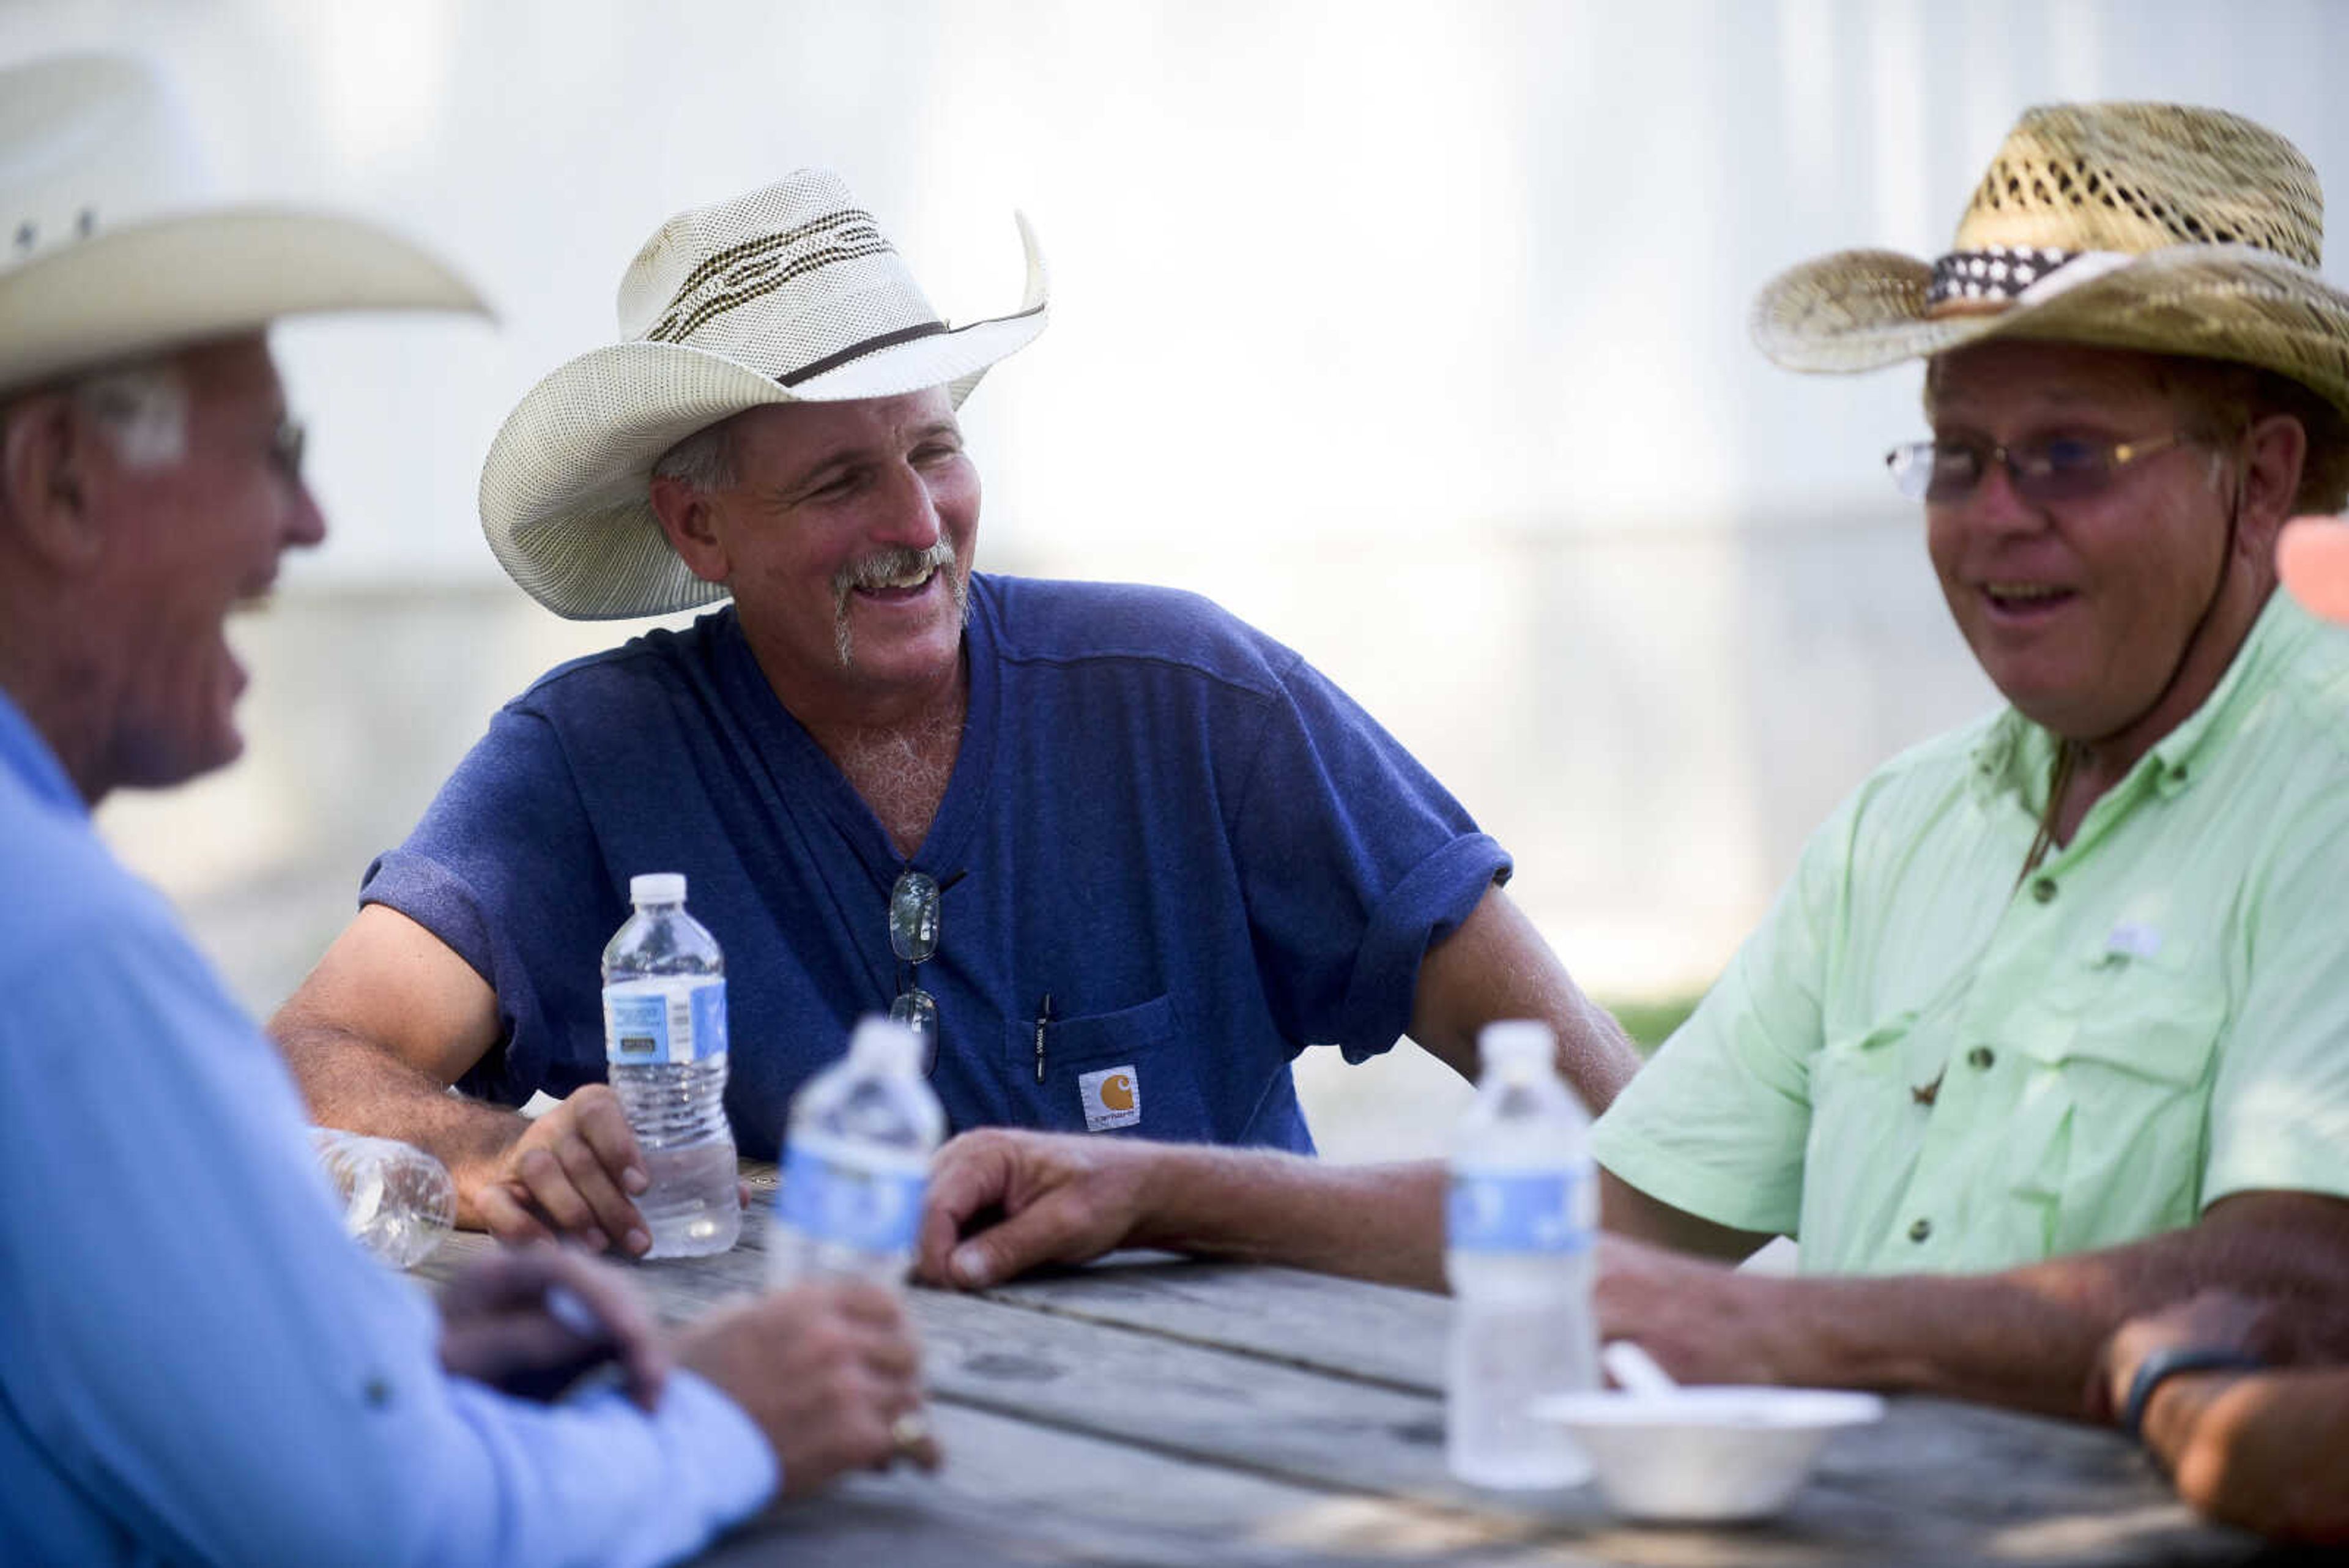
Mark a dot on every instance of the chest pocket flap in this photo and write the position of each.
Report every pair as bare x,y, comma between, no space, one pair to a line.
2113,1119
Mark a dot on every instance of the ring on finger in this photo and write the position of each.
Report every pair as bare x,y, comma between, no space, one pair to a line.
908,1432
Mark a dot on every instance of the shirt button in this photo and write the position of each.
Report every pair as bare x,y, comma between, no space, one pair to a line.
1921,1231
2043,890
1980,1057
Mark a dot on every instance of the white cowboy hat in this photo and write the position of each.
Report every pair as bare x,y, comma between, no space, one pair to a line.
110,245
790,294
2119,226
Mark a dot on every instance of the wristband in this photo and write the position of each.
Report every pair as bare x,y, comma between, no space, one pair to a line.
2169,1362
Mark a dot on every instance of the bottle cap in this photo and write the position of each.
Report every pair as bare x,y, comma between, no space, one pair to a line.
889,1044
657,887
1516,1039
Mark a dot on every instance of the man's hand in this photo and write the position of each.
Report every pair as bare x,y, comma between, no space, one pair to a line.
529,1320
828,1372
1702,1321
1002,1201
573,1173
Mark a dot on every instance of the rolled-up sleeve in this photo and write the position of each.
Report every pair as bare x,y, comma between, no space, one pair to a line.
1354,861
505,869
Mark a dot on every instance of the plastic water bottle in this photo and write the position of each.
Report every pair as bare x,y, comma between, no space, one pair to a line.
857,1162
1519,1232
398,1200
665,1053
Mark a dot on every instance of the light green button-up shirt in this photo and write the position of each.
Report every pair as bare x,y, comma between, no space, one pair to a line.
1914,1063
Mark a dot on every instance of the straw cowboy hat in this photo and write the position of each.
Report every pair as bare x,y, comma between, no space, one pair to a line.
111,245
789,294
2119,226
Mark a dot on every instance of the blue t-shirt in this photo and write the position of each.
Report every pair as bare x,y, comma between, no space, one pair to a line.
1199,848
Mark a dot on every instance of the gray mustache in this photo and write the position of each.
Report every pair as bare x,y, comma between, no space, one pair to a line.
889,566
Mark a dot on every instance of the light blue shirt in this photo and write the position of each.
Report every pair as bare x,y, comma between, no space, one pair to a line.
195,1365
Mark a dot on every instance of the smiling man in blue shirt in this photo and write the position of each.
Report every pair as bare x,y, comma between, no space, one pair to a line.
1168,853
196,1365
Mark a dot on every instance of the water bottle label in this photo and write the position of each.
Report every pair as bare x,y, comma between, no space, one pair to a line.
1517,1212
852,1195
667,1018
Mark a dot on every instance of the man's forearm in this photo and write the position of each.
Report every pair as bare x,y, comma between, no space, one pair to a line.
1382,1222
1990,1339
1496,965
354,1085
2027,1337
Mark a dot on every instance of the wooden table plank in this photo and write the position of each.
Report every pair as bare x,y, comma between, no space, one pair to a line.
1015,1492
1375,1332
1158,1410
1941,1482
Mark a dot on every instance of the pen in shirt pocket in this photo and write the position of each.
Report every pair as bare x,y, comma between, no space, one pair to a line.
1043,1017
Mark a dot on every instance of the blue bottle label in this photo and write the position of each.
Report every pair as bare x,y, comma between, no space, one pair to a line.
852,1195
1517,1212
665,1018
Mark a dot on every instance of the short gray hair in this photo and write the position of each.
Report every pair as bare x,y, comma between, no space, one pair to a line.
143,408
704,460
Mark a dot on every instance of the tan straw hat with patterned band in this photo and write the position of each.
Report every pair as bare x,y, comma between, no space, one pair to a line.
2120,226
790,294
114,245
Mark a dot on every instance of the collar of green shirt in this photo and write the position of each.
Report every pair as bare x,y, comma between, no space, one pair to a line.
2017,756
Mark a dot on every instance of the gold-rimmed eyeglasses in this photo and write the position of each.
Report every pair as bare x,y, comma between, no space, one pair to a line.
2046,471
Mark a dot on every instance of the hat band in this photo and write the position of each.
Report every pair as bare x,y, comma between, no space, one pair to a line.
858,351
890,340
1993,275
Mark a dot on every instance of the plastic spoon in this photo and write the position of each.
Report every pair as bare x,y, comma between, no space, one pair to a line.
1635,1371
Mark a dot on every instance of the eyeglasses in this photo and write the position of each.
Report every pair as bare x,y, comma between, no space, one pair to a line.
2044,472
914,938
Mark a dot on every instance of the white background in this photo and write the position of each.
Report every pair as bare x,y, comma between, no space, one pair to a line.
1413,332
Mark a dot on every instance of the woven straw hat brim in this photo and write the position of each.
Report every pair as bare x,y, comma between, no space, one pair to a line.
171,282
564,492
1862,310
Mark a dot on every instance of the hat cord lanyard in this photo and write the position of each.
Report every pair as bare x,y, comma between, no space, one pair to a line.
2059,780
2067,750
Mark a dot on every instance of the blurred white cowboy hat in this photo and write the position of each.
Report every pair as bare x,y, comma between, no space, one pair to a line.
111,244
2119,226
790,294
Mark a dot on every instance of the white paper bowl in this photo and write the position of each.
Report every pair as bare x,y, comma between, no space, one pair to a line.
1705,1454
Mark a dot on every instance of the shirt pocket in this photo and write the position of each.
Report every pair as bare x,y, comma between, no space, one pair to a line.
2112,1117
1109,1072
1864,1142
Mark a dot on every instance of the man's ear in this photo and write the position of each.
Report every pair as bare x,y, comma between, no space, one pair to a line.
686,520
45,474
2275,454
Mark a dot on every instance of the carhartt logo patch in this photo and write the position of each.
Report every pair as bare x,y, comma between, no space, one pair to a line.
1112,1098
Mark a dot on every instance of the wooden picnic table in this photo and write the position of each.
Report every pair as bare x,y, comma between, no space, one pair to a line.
1161,1410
